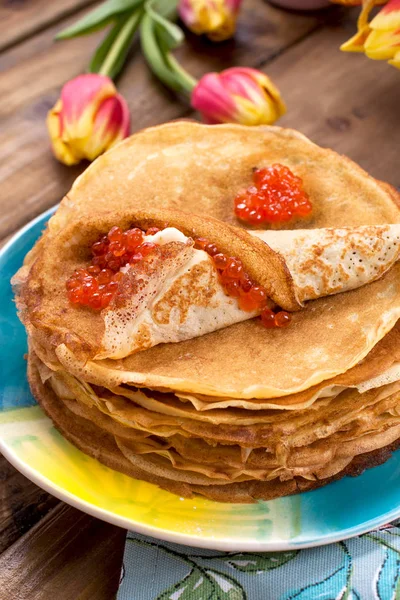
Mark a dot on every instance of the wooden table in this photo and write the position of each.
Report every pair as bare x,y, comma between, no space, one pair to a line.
48,549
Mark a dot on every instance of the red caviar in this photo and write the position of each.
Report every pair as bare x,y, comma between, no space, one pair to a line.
237,283
276,196
97,285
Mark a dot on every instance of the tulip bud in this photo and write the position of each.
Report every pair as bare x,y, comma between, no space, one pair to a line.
238,95
88,119
215,18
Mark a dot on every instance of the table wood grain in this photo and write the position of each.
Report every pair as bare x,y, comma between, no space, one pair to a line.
47,549
20,19
66,555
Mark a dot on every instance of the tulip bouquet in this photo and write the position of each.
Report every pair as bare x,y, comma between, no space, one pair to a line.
379,38
91,116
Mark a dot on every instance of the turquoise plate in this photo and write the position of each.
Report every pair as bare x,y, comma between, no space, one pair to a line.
30,442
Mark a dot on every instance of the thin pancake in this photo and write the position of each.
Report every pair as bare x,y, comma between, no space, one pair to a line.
331,261
380,367
101,445
200,168
351,411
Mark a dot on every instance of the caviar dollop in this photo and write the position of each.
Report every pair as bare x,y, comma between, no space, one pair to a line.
238,284
276,196
96,285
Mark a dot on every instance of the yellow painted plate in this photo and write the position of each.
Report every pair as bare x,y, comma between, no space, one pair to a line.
30,442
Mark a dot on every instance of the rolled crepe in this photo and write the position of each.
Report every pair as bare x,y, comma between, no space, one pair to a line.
327,261
179,298
185,299
173,295
176,294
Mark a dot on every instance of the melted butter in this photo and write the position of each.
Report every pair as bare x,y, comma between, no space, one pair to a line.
167,235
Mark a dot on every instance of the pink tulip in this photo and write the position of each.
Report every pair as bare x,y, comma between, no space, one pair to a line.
238,95
214,18
88,119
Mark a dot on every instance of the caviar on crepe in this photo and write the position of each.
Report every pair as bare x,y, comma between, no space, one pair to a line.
96,285
237,283
276,196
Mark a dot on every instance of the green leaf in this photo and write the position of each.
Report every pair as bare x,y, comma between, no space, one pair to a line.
166,8
98,18
154,56
158,37
252,563
228,588
195,586
110,56
103,49
170,34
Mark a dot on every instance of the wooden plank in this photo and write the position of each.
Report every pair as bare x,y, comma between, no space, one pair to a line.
22,504
343,101
69,555
19,18
30,179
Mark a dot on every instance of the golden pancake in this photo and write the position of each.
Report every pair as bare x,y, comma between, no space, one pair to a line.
380,367
274,431
97,443
327,338
200,168
175,293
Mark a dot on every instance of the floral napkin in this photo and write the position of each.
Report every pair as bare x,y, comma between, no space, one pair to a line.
362,568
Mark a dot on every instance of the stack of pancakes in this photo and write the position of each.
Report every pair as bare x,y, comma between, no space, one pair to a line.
245,412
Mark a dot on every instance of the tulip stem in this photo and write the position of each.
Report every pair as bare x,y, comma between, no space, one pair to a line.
161,61
168,9
120,44
187,81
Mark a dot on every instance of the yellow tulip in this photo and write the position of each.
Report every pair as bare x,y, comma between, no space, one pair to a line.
378,39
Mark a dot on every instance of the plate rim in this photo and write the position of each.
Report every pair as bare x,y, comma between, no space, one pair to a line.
211,543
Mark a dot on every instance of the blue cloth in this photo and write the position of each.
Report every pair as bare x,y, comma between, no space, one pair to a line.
362,568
